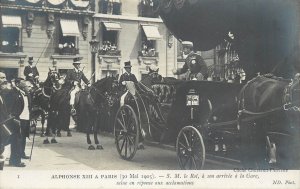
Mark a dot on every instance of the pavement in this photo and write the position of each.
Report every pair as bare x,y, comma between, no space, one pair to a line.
71,153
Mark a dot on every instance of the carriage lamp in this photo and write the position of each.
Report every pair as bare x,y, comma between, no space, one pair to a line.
94,43
192,99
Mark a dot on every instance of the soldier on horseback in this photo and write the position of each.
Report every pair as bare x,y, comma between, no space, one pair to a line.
31,72
74,78
194,67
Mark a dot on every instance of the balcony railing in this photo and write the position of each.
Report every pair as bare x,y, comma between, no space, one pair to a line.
147,11
110,52
11,49
67,51
148,53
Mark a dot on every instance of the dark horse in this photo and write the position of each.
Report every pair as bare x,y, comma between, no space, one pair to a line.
269,122
41,96
93,104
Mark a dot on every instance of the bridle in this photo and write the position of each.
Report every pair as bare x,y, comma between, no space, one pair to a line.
289,98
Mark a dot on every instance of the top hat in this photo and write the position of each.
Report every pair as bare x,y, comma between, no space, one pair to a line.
187,43
127,64
76,60
30,59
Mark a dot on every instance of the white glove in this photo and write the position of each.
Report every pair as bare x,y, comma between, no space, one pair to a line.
30,74
174,71
37,76
123,83
89,85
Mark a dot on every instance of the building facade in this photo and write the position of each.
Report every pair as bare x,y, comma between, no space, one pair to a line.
52,31
131,30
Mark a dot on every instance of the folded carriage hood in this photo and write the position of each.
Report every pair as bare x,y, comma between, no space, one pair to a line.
266,31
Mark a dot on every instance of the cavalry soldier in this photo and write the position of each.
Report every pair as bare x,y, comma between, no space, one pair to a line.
74,78
194,67
31,73
127,76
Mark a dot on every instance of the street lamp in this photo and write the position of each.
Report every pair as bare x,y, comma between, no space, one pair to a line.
94,43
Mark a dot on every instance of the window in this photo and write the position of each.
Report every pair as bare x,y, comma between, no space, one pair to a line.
10,34
110,7
10,73
148,8
110,35
109,73
149,37
67,40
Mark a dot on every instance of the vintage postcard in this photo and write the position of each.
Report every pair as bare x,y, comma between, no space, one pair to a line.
149,94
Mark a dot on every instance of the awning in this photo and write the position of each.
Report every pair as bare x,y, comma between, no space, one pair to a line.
69,27
112,26
81,4
11,21
151,32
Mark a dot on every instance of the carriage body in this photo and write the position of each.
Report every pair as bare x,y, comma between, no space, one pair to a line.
164,117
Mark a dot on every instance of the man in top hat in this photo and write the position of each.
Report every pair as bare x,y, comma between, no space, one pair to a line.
194,67
30,72
74,78
127,76
9,119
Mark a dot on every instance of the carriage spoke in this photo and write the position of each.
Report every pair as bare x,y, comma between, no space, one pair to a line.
194,162
126,146
185,137
190,163
121,149
183,145
131,140
186,160
130,146
121,123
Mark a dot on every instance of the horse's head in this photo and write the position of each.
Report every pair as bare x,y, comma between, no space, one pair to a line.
53,75
107,88
154,75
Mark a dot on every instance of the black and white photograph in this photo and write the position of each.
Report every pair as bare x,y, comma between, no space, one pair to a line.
150,94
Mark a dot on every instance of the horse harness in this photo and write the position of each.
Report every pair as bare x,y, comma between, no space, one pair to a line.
289,105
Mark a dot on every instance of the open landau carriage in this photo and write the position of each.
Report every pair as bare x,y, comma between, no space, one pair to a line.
198,117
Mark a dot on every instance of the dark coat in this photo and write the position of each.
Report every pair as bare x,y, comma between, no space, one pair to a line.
127,77
32,70
195,64
72,76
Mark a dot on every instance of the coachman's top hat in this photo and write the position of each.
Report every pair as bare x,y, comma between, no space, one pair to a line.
76,60
127,64
30,59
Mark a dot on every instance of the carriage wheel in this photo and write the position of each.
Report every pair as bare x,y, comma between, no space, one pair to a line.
190,148
126,130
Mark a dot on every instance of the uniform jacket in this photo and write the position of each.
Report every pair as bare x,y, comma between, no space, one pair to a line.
127,77
73,75
195,64
29,70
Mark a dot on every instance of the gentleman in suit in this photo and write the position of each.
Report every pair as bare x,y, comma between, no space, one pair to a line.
14,124
127,76
31,73
194,67
74,78
24,88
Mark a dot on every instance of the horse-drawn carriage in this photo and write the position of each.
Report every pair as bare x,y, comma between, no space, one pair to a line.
200,117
